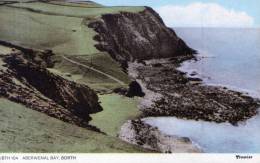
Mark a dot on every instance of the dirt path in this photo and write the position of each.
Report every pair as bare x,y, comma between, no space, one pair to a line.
93,69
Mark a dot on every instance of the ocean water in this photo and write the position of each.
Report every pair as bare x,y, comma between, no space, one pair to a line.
229,57
212,137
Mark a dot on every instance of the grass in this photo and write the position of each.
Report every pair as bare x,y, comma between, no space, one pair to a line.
62,27
64,35
96,81
25,130
103,62
87,4
117,110
73,11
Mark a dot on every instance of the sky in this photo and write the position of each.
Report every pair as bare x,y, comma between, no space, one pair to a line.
197,13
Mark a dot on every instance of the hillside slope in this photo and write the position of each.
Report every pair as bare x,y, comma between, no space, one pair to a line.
24,79
57,56
25,130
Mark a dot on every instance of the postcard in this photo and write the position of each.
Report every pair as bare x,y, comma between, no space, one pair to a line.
113,81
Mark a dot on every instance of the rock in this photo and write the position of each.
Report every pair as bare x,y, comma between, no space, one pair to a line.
121,91
137,36
195,79
27,81
135,90
195,100
157,65
139,133
193,73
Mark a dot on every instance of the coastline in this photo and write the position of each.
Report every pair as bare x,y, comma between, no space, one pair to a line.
206,80
139,133
153,106
192,99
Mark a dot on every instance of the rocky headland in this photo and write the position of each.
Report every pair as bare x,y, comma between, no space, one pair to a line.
128,37
152,53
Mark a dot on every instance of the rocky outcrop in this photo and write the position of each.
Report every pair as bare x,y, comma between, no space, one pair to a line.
134,89
139,133
185,97
26,80
137,36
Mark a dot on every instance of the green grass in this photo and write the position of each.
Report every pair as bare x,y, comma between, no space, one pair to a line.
64,35
75,11
103,62
117,110
25,130
62,28
96,81
76,4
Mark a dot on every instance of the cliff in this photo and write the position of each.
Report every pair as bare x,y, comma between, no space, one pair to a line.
80,36
25,79
138,36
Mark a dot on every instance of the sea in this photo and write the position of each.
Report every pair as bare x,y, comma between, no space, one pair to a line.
226,57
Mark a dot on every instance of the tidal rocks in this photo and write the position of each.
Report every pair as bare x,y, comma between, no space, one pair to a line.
139,133
137,36
185,97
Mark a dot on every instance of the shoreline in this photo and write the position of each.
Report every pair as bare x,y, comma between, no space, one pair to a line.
230,138
176,85
142,134
154,95
206,80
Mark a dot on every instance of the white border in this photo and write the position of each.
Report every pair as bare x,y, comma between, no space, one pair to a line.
129,158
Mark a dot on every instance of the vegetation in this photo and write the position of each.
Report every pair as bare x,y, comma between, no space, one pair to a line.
25,130
118,109
62,27
97,81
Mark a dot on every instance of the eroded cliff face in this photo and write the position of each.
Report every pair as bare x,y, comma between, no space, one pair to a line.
26,80
137,36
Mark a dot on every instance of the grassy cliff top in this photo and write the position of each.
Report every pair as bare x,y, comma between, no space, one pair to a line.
57,25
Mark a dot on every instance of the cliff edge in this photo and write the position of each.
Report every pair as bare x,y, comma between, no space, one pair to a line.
138,36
